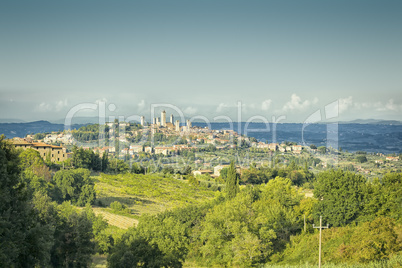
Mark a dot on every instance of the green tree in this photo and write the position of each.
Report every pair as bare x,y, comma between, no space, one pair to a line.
340,195
232,182
73,238
24,240
312,146
361,158
376,240
384,198
236,233
135,252
76,185
118,166
322,149
105,162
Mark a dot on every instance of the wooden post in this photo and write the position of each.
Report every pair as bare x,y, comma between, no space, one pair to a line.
319,247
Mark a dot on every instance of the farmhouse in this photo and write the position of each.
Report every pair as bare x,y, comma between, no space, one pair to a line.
46,151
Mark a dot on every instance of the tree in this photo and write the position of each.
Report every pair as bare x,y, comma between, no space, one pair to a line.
25,241
247,229
376,240
340,196
137,169
73,238
118,166
361,158
75,185
105,162
35,174
232,182
322,149
384,198
312,146
135,252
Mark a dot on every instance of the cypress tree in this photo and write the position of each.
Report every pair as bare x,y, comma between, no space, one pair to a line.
232,181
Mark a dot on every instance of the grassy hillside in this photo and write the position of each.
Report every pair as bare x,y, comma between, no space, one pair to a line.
151,193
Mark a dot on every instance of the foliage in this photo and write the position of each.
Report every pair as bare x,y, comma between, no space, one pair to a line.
73,238
365,243
160,240
361,158
87,159
383,198
295,173
118,166
232,182
137,169
25,241
135,252
35,173
118,207
89,133
340,196
39,136
248,228
75,185
322,149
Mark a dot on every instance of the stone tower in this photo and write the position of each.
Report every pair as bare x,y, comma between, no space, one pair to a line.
163,118
188,124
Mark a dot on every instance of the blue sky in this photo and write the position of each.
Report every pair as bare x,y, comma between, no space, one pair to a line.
287,58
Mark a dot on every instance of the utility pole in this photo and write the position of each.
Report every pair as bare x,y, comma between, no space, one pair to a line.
319,250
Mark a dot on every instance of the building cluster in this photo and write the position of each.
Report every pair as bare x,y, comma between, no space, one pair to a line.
297,149
53,153
160,122
191,136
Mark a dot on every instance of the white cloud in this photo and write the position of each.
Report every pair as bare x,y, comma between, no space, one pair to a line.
61,104
391,106
296,103
44,107
345,103
266,105
222,106
190,110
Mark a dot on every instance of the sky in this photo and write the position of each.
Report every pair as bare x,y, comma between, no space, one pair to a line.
241,59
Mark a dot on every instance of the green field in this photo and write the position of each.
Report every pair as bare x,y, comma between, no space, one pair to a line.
151,194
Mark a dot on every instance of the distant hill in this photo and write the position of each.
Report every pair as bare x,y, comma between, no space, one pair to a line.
81,120
373,122
11,120
11,130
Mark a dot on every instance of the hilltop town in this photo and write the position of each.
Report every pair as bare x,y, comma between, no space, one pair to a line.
165,143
